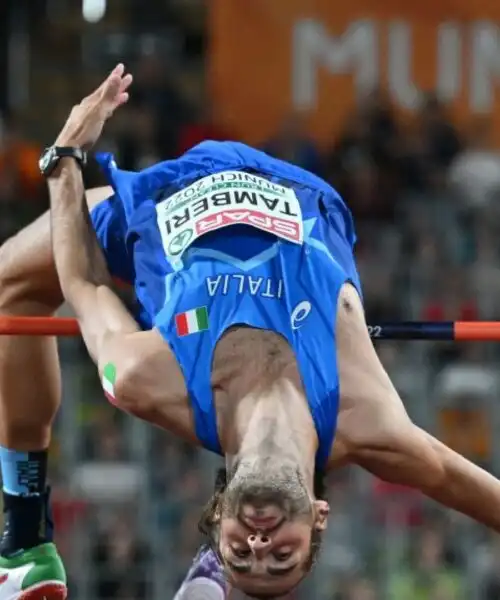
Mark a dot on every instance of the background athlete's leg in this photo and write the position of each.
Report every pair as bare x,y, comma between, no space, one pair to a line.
30,391
28,287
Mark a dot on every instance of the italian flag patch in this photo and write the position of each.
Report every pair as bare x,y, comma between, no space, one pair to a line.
108,381
192,321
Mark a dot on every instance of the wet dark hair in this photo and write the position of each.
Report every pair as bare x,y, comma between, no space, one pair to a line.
208,523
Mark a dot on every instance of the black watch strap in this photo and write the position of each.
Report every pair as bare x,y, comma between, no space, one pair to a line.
52,155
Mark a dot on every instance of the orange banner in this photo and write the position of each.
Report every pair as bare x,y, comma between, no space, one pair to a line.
269,57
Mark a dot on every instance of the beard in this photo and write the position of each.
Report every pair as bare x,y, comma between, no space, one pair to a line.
265,481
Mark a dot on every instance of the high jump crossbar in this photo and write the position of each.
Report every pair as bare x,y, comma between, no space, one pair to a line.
458,331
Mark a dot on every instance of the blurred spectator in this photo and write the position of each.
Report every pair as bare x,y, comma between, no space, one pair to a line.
157,90
351,149
18,162
414,161
361,165
203,127
475,173
341,557
485,275
383,133
292,143
22,189
191,17
186,542
121,562
464,393
396,505
377,265
105,439
138,146
490,589
360,589
440,136
370,135
451,299
430,575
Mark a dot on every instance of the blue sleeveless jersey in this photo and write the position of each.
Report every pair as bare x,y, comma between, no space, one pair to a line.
226,235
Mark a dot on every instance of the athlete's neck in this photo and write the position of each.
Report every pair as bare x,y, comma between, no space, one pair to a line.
271,429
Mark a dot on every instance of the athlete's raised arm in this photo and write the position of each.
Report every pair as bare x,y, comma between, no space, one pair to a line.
84,277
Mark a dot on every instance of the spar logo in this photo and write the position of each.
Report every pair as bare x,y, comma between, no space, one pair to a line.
284,228
225,199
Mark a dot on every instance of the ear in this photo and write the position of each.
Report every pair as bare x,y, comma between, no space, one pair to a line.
321,512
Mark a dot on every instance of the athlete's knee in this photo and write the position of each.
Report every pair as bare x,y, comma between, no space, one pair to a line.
13,285
24,290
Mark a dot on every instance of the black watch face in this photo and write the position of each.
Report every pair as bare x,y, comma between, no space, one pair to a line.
46,159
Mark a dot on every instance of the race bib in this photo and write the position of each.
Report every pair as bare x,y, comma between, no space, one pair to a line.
223,199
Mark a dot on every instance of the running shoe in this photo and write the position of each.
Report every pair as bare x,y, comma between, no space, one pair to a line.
34,574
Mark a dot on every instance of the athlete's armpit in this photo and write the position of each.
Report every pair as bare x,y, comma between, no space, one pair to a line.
370,408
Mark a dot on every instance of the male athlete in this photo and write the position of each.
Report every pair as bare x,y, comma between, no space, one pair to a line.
251,342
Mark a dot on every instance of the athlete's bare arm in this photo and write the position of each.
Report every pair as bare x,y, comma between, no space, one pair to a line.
81,267
379,436
149,383
83,274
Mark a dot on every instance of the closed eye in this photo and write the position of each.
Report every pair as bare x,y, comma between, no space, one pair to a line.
282,556
281,571
238,568
240,552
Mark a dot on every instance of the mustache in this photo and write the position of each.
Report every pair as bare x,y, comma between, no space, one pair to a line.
261,496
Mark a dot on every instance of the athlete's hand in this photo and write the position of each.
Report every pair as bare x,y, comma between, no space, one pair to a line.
86,120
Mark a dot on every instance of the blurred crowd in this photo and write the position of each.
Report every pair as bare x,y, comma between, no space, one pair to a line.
424,195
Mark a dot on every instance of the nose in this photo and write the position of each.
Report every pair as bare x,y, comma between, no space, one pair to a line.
259,544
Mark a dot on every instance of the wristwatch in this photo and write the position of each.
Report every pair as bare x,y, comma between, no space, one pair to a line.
52,155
